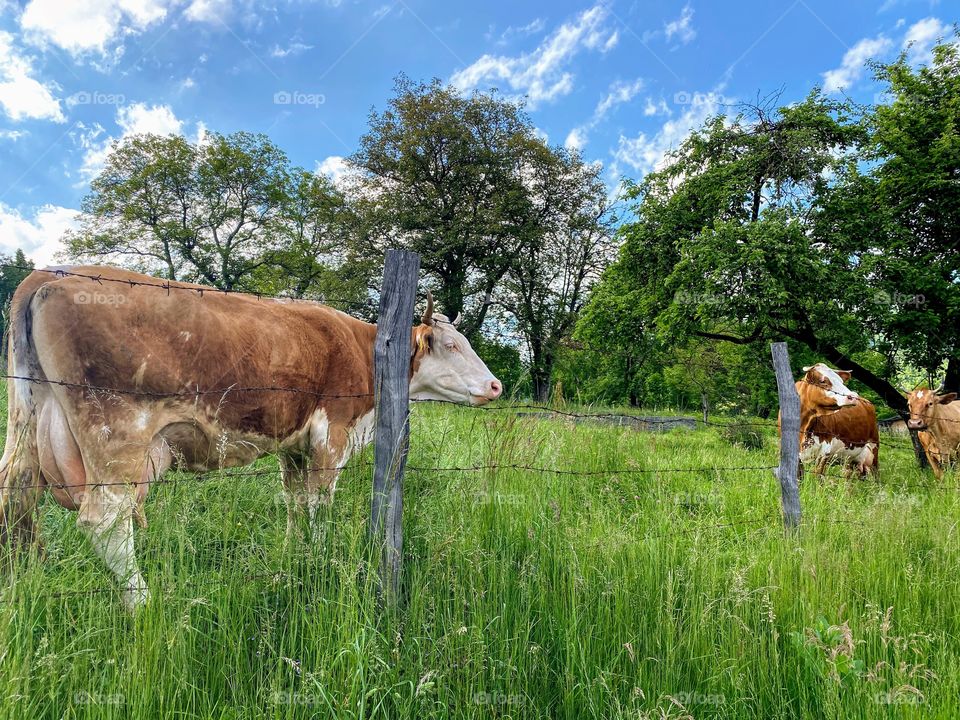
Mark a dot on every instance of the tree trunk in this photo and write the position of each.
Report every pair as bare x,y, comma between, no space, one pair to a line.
918,448
951,383
541,372
705,406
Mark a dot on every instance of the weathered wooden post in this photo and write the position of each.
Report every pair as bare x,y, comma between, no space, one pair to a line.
391,380
789,435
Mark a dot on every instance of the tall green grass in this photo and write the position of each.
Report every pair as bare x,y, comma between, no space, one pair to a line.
603,594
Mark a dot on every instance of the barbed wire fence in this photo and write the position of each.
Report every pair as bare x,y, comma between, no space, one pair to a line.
392,353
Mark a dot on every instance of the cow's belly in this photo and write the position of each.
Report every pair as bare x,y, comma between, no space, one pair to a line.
208,446
822,450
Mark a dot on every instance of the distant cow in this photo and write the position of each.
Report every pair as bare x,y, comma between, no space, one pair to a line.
836,424
133,381
939,416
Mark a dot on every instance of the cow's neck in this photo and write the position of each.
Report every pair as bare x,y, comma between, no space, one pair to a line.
944,421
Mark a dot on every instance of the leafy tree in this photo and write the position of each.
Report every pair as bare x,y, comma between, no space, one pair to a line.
207,212
442,174
140,207
720,249
896,209
549,280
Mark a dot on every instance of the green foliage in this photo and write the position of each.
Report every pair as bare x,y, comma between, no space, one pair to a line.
808,222
743,433
829,649
440,174
229,212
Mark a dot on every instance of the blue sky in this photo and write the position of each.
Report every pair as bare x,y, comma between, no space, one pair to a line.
624,81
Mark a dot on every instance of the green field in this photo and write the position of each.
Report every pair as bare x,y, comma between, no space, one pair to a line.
602,594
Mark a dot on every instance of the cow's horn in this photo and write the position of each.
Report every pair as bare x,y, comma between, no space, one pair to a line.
428,313
456,320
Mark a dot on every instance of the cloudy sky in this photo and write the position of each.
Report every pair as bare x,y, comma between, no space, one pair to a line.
623,81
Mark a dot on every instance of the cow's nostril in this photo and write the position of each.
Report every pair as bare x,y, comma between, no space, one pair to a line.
495,389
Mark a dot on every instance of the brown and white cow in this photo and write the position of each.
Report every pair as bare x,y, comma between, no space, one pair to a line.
836,424
136,380
939,417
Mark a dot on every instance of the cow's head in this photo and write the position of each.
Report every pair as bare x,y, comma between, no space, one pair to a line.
445,367
828,391
923,405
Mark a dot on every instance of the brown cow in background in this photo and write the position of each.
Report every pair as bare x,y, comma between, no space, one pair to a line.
939,417
836,424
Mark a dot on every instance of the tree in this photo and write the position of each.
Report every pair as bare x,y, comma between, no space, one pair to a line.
208,212
13,270
803,222
140,206
720,250
442,174
897,211
548,282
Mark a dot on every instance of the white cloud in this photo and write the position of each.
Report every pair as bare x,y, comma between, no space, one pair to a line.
645,154
854,60
542,74
334,167
134,119
651,108
209,11
38,236
22,97
294,48
921,37
520,31
91,25
576,139
681,27
618,93
12,135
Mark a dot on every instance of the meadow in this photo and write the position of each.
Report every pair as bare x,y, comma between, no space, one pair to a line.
647,583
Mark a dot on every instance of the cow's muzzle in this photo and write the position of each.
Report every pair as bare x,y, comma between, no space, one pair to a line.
491,391
916,424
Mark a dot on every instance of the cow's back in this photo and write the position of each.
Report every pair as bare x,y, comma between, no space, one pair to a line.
262,366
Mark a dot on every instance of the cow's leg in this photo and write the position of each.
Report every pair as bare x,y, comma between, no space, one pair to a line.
294,478
933,457
21,481
106,516
308,490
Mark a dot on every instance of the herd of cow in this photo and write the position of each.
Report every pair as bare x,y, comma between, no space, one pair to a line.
837,425
105,397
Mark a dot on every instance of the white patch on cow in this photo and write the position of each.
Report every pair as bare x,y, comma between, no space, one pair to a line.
320,429
143,417
185,336
104,432
838,390
361,433
819,449
920,394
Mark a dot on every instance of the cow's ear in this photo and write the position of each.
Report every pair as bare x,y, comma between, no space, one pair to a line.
844,374
948,398
808,368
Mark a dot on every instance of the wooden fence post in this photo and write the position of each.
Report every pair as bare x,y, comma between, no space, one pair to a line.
391,381
789,435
